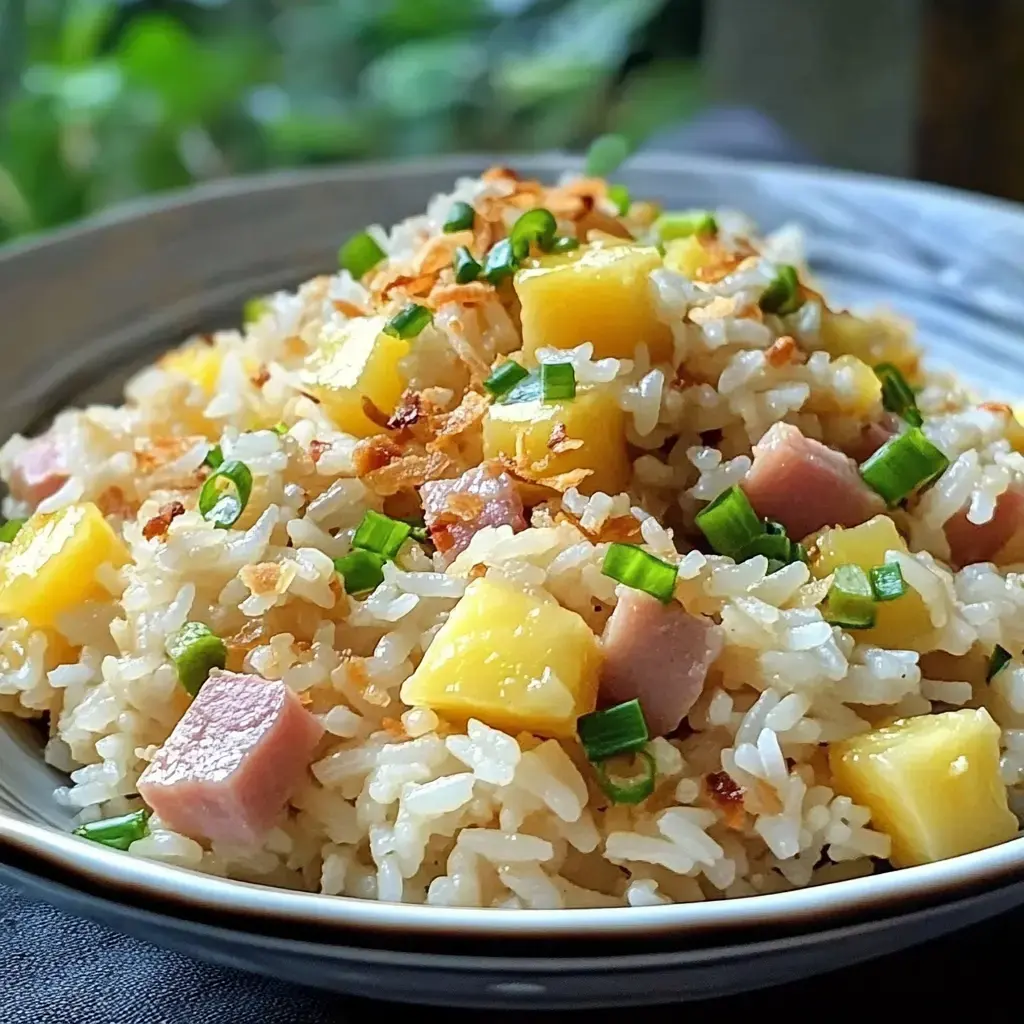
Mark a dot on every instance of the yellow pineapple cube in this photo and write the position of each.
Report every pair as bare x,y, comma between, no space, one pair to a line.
532,429
688,256
50,566
359,362
197,361
932,784
858,391
599,293
901,624
513,660
872,339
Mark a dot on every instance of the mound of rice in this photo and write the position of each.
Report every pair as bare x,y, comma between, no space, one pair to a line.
400,804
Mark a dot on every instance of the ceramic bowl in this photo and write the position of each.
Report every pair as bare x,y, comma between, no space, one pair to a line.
82,308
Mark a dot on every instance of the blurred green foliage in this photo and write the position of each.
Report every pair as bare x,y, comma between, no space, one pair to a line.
103,100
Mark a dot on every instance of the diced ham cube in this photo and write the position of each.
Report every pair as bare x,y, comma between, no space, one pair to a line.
980,542
38,470
232,761
872,436
454,510
659,654
805,485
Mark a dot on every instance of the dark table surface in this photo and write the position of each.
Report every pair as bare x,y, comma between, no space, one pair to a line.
56,969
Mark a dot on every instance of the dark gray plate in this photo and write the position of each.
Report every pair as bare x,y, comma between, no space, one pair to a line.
82,308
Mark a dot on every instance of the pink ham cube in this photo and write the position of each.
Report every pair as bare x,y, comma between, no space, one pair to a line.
659,654
232,761
38,470
805,485
980,542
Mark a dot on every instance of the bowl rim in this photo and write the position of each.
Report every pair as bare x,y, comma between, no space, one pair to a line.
135,879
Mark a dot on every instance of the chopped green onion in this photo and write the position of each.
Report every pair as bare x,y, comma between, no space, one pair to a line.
361,570
225,494
280,428
465,266
799,554
617,730
536,226
775,565
505,377
501,262
897,394
850,601
525,390
380,534
619,195
564,243
1000,656
771,545
195,649
254,309
408,322
887,582
782,296
640,570
10,530
557,381
118,833
460,218
684,223
605,154
729,522
902,465
628,789
214,457
359,255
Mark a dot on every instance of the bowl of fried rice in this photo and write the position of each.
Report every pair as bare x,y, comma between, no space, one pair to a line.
518,582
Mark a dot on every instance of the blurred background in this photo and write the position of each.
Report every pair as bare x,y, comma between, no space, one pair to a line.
106,100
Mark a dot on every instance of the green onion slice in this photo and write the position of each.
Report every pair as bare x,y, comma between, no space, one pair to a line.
359,255
887,582
1000,656
636,568
225,494
195,649
361,570
729,522
118,833
214,457
527,389
381,534
280,428
617,730
418,530
505,377
460,218
782,296
902,465
501,262
619,195
605,155
10,530
465,266
408,322
897,394
533,227
254,309
630,789
557,381
850,601
683,223
772,546
564,243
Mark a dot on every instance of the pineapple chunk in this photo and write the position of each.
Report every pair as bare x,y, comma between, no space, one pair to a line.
359,362
50,566
688,256
903,624
932,784
601,294
593,417
197,361
491,661
858,390
873,339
